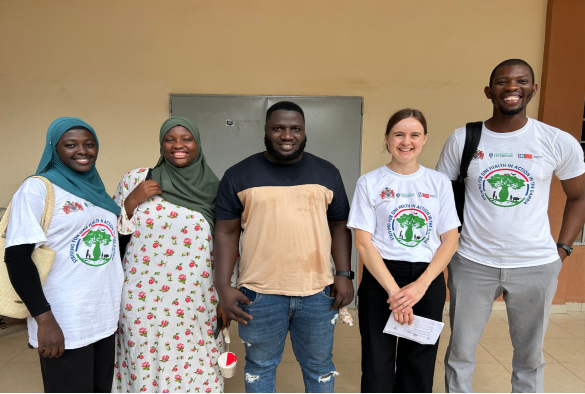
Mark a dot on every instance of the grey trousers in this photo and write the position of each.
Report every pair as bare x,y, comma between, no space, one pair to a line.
528,294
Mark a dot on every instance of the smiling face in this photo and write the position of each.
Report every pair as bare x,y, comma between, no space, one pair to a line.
511,89
77,149
405,140
285,136
179,147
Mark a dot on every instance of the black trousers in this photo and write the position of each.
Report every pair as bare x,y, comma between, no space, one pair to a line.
386,367
89,369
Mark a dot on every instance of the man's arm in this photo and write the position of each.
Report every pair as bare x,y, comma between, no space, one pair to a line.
342,288
227,237
574,214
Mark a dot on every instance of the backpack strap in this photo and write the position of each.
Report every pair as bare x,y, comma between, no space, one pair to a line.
472,137
149,175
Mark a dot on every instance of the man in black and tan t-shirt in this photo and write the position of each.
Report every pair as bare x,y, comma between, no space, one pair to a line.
293,211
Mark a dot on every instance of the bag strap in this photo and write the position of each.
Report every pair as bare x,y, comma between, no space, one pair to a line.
472,138
4,221
47,211
49,203
149,175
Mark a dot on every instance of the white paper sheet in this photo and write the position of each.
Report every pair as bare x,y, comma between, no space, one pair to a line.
423,330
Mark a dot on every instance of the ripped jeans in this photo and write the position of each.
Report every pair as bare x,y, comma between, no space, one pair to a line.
311,322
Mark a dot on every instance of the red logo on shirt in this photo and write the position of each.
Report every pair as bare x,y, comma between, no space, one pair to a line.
72,207
387,193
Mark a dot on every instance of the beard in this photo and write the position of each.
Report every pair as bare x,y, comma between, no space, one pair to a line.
511,112
279,156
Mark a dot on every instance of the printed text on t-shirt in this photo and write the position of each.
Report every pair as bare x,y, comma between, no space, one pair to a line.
410,224
506,185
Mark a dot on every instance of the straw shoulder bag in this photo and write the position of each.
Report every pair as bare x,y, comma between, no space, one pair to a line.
10,303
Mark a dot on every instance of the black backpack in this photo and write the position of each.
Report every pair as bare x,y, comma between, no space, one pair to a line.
472,137
124,239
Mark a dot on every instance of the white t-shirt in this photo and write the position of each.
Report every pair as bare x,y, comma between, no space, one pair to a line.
404,212
507,189
84,285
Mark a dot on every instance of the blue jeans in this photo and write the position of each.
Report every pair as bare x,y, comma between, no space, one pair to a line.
311,322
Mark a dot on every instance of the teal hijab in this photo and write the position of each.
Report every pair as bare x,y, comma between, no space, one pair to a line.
87,185
193,186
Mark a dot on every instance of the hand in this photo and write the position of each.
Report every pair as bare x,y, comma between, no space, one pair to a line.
404,318
407,297
224,317
50,337
562,254
142,192
342,290
229,297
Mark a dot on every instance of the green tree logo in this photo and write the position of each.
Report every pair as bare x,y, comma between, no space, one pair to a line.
410,221
505,181
97,238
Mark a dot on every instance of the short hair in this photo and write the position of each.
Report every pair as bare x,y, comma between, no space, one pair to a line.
287,106
511,62
405,114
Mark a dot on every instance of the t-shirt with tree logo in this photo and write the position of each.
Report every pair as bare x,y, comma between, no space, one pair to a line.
507,190
84,285
404,213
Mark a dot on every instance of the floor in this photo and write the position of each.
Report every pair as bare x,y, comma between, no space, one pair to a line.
564,348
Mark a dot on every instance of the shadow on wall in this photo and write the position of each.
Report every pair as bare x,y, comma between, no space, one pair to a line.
2,210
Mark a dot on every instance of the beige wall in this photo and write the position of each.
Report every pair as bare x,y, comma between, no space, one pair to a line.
114,64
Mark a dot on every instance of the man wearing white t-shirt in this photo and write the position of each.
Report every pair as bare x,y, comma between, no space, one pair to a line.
506,246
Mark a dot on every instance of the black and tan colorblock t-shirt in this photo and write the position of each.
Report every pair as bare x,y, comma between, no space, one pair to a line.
285,210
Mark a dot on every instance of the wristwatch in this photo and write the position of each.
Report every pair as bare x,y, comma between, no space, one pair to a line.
349,274
566,247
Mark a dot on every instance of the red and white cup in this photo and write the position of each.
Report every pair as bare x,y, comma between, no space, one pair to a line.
227,364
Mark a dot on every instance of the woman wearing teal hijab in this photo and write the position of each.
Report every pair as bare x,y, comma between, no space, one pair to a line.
169,296
82,181
74,313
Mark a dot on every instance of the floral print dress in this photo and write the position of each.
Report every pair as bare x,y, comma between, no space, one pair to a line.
168,314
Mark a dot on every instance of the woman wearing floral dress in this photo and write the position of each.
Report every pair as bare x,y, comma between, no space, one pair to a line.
165,341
